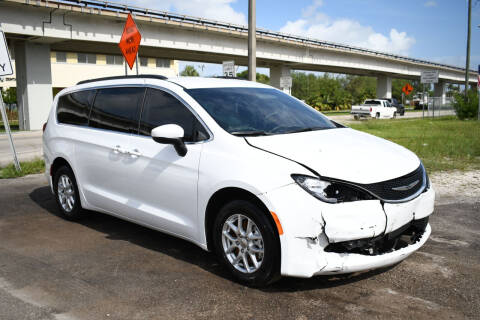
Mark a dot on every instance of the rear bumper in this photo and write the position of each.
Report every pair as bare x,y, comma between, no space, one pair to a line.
360,114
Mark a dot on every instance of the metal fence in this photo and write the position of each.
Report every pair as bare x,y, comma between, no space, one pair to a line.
438,106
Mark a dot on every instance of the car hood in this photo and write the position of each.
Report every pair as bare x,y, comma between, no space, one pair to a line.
342,153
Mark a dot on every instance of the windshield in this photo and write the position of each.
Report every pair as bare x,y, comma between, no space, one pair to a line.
258,111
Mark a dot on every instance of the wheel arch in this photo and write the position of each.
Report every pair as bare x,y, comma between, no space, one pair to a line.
222,197
58,163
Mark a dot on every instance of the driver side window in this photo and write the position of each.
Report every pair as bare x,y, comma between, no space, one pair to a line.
162,108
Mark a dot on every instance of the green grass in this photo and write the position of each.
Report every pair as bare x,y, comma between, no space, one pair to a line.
28,167
443,144
13,125
336,113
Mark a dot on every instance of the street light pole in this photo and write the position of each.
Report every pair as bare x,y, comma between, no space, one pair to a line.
252,50
467,66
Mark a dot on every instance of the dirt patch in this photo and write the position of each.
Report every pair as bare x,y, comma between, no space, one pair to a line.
456,186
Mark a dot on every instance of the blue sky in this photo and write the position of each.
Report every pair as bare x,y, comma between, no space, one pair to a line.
428,29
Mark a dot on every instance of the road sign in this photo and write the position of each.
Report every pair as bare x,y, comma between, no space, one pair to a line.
5,70
228,68
130,41
407,89
285,82
5,63
430,76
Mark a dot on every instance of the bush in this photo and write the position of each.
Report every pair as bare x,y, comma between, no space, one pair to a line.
466,109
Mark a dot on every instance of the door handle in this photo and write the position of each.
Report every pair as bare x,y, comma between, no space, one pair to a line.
118,149
135,153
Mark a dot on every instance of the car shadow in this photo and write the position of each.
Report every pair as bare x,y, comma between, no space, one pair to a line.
117,229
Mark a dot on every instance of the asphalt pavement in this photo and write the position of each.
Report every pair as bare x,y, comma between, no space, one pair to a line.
106,268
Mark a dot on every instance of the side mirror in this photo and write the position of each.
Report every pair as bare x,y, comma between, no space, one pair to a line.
171,134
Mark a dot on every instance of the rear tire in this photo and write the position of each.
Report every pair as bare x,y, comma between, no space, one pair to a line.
251,253
356,117
377,115
66,193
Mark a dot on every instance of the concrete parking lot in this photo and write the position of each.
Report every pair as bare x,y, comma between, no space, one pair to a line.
105,268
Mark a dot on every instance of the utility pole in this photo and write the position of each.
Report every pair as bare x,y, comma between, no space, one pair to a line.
467,66
252,44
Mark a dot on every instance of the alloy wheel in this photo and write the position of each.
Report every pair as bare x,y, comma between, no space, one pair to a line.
66,193
242,243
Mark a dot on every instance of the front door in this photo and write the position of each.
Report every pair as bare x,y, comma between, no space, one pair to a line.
164,184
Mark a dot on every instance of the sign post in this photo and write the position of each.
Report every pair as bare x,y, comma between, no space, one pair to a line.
130,42
478,87
228,69
430,76
5,70
286,83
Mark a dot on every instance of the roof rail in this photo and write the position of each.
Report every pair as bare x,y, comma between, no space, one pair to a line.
140,76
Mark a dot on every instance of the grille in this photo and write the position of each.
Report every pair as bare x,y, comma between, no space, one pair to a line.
385,189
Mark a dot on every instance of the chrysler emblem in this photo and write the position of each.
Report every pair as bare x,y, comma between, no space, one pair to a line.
407,187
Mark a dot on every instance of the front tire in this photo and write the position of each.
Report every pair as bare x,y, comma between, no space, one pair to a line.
246,243
66,193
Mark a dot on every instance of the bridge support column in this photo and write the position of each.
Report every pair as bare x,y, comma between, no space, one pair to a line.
384,87
276,72
440,90
34,84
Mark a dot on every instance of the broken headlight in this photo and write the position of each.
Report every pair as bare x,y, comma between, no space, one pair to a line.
330,191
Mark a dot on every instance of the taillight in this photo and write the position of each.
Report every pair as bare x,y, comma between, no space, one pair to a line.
370,111
44,126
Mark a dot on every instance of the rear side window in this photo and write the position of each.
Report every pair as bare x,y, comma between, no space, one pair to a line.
162,108
74,108
117,109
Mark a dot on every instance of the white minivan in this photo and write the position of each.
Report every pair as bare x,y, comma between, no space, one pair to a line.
272,186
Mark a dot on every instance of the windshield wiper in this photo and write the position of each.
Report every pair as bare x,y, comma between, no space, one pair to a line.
306,129
252,133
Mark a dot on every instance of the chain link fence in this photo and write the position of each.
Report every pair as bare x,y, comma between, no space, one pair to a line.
438,106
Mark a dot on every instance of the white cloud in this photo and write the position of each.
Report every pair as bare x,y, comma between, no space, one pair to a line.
315,24
211,9
430,4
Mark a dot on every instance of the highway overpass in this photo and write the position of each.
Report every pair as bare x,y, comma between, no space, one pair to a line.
37,27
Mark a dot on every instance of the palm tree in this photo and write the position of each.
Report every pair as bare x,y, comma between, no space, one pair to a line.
189,71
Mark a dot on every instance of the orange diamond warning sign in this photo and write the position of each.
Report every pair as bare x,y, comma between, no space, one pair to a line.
407,89
130,41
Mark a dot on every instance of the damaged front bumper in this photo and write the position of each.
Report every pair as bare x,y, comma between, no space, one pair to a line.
315,232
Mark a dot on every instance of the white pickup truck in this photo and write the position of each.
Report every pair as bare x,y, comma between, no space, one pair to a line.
375,108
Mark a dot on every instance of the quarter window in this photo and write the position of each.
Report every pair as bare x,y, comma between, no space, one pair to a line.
117,109
162,108
74,108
